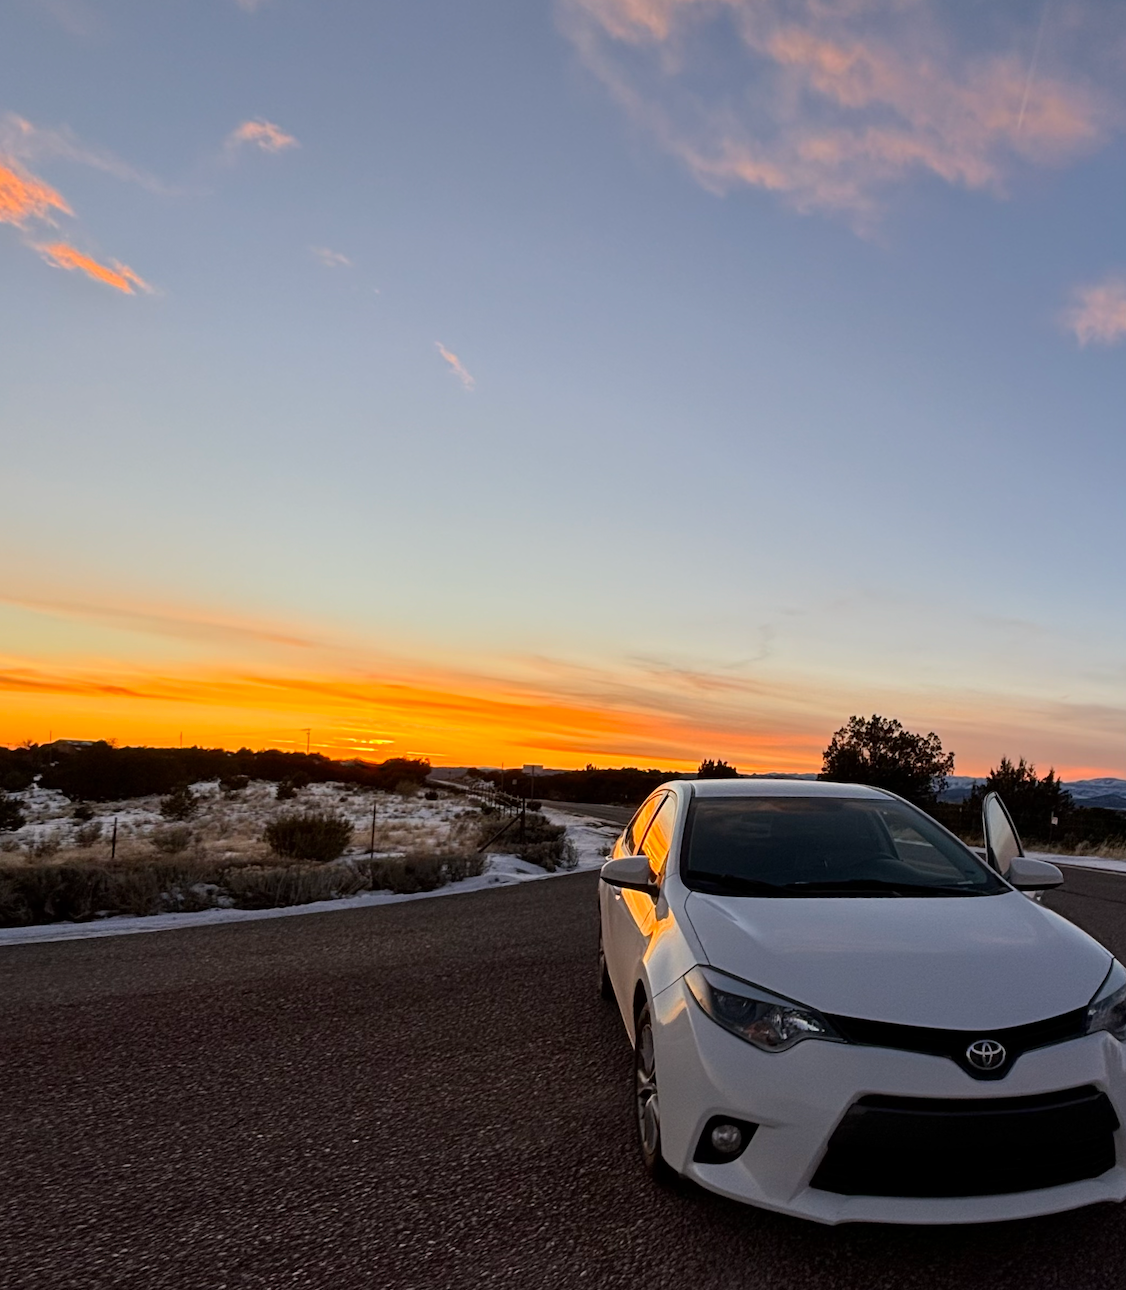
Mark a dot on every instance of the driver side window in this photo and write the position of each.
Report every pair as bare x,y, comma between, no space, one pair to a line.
657,841
630,843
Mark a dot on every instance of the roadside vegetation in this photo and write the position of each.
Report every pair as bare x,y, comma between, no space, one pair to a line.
231,843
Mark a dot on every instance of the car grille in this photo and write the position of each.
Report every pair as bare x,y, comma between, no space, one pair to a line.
914,1146
953,1043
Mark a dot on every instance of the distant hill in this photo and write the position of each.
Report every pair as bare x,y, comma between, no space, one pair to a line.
1106,791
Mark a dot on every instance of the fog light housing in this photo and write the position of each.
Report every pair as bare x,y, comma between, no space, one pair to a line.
724,1138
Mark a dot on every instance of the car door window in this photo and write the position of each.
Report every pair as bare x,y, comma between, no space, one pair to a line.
631,838
657,841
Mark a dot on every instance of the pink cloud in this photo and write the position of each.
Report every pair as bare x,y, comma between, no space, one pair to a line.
456,366
1098,312
830,103
262,134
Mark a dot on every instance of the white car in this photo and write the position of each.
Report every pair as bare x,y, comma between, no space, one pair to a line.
840,1012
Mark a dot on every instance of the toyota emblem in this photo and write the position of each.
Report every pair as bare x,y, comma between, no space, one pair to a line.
986,1054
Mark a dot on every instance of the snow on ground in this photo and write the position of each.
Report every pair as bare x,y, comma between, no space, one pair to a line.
1081,862
229,825
590,838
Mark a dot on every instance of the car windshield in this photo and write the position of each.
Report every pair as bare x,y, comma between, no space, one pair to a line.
826,846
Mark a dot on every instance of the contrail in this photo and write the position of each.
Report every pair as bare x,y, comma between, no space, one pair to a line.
1032,65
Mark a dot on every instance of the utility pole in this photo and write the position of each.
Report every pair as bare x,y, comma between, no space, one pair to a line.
308,736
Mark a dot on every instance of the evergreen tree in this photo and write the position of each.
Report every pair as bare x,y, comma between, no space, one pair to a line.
880,752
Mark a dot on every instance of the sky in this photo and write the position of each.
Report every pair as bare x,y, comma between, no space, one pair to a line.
564,381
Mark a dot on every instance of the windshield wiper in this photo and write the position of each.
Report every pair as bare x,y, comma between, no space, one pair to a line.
733,882
877,886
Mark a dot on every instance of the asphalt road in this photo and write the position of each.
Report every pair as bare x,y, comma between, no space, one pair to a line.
608,814
421,1095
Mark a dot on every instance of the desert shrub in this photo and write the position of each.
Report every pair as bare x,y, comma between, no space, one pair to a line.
50,894
316,835
83,812
406,787
534,805
252,887
88,834
286,790
404,875
537,841
173,840
180,804
11,817
458,867
44,846
232,784
431,795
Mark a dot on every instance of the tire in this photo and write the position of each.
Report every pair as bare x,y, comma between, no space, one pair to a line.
647,1107
605,985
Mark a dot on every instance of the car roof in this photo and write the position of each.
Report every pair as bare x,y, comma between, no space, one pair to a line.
781,788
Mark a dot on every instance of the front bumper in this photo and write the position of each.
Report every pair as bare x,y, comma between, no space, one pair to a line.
799,1097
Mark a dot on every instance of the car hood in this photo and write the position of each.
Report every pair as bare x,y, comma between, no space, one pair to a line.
960,963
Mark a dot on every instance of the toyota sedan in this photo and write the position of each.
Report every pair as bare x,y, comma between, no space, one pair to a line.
839,1011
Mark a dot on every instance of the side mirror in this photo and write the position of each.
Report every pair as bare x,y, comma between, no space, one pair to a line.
1027,874
632,873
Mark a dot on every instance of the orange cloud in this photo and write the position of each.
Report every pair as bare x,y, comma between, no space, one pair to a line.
120,276
560,715
831,102
456,366
24,198
1098,313
262,134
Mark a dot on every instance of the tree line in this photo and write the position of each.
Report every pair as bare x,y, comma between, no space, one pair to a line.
101,772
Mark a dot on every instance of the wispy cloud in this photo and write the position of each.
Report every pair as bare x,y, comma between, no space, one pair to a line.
179,625
117,275
261,134
24,198
1098,312
30,143
27,202
331,259
829,103
456,365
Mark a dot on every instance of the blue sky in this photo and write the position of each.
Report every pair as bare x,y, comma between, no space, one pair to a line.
687,375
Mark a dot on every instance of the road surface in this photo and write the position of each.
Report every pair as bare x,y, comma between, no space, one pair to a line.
421,1095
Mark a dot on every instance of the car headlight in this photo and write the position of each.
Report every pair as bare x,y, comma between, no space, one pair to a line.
761,1018
1107,1010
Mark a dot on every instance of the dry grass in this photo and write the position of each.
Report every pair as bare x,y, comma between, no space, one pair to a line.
34,893
65,868
1112,849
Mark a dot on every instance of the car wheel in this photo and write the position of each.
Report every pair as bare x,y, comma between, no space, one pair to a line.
647,1105
605,985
